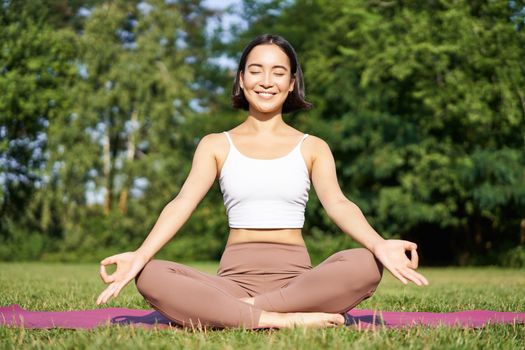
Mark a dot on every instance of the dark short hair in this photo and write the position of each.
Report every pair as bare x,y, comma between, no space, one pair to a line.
295,100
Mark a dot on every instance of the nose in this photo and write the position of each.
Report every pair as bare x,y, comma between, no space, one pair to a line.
267,80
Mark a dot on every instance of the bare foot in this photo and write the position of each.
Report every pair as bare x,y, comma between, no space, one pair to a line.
294,319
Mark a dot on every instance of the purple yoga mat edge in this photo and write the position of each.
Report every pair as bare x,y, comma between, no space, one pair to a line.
362,318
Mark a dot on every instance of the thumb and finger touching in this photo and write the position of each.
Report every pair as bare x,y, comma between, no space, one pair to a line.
113,288
414,259
401,266
119,279
104,275
413,263
109,260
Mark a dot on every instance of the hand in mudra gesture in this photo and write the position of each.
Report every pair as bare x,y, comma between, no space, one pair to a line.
391,253
129,265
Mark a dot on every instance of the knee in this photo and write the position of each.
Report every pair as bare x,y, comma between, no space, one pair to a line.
146,279
369,269
373,270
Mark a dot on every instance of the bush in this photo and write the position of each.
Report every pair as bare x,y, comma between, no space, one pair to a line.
514,257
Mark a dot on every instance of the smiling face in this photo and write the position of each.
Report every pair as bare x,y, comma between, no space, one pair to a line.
266,79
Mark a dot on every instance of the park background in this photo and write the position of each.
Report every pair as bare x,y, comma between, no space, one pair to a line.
102,104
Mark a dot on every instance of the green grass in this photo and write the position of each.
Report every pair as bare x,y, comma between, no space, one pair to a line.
39,286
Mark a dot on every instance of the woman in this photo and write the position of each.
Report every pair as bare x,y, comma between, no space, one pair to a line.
264,166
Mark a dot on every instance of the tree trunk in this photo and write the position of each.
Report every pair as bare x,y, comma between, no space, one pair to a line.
107,172
130,155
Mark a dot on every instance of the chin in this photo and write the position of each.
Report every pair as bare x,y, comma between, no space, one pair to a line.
268,110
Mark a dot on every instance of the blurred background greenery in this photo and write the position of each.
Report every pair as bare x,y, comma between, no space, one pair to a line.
102,104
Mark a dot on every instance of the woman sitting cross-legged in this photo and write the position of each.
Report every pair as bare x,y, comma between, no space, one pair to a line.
264,168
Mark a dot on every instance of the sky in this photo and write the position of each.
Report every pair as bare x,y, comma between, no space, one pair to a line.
219,3
228,19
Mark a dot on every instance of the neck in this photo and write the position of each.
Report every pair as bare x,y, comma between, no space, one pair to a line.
260,122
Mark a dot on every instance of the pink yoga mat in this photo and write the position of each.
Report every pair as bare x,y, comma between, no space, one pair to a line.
15,316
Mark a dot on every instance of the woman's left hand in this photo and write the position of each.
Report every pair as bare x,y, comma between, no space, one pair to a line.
391,253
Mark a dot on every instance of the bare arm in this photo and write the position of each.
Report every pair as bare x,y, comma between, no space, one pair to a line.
173,216
178,211
345,214
351,220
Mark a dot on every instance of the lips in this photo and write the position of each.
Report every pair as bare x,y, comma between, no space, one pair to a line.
265,94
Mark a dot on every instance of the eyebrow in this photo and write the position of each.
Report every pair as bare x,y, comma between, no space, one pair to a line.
260,65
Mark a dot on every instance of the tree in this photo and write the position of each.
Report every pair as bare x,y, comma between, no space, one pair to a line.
422,104
36,69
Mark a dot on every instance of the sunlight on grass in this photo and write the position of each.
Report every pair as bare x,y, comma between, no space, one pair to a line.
47,286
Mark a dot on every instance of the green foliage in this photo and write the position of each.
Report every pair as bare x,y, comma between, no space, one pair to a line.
19,244
36,70
129,118
514,257
422,104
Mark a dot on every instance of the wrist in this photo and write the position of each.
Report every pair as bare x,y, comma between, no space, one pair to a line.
144,255
375,243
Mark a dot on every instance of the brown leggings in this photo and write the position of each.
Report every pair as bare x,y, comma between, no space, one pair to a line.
279,276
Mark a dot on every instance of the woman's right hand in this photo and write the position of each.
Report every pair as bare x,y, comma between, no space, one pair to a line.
129,264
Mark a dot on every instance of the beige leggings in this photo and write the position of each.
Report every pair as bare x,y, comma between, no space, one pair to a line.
279,276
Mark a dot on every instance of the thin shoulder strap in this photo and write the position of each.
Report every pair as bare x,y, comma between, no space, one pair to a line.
298,146
229,138
302,139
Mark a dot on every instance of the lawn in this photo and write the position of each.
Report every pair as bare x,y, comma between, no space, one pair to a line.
46,286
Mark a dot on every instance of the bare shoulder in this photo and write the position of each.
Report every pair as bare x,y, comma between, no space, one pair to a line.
212,141
316,147
212,138
215,147
316,141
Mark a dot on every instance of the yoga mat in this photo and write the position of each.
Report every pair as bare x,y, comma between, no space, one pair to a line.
15,316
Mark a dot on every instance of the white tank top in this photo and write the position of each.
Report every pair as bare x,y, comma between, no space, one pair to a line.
265,193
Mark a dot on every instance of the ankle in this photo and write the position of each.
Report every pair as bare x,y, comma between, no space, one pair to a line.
274,319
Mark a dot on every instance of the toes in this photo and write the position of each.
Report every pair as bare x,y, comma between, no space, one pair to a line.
340,319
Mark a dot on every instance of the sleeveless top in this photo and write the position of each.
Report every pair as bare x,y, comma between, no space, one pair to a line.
265,193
